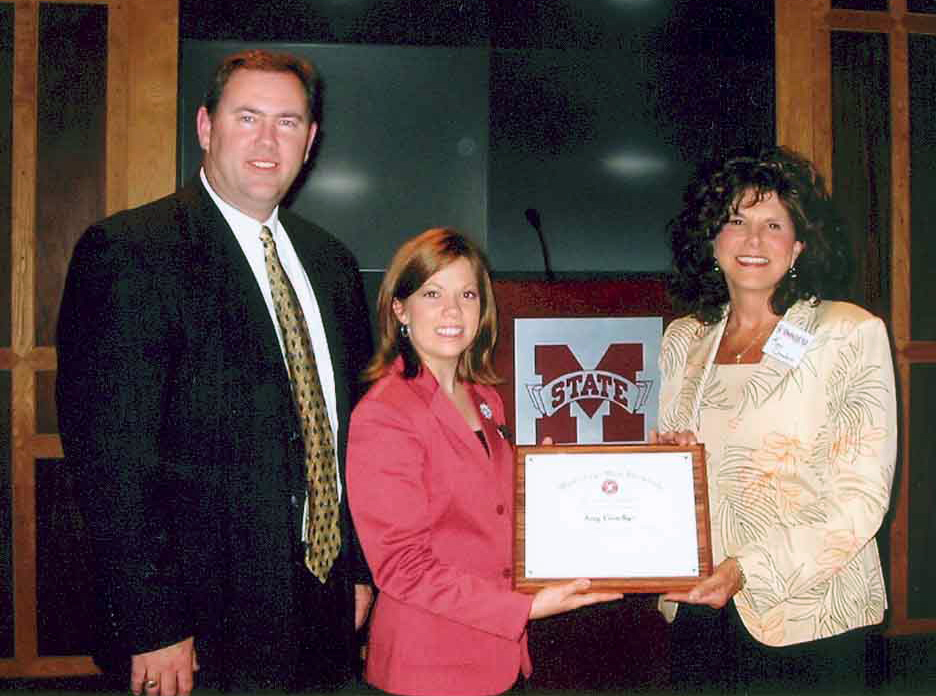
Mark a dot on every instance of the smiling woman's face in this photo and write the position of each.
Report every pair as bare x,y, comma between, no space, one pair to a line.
757,245
443,315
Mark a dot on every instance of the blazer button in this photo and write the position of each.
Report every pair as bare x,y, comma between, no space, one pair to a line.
506,572
294,501
500,509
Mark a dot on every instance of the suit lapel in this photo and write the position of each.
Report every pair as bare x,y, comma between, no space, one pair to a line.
452,422
444,411
501,451
247,321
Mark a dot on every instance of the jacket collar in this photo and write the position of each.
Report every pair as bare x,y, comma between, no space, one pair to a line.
446,414
766,377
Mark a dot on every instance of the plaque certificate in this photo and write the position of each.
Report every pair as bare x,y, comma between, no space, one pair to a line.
633,518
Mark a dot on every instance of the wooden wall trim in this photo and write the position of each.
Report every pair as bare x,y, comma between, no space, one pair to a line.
47,667
917,351
24,151
24,515
794,50
44,446
153,94
118,81
822,93
41,358
804,123
919,23
896,620
900,184
804,113
23,250
853,20
140,142
910,627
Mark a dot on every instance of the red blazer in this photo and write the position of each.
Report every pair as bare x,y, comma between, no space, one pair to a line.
434,514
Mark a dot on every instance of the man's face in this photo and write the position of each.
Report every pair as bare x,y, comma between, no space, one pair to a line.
257,140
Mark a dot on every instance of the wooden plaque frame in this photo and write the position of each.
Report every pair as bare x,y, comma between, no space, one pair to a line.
625,584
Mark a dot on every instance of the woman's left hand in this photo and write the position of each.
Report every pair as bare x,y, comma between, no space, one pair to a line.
681,438
715,590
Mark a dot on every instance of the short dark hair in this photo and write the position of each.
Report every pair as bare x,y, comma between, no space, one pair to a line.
261,59
823,268
413,264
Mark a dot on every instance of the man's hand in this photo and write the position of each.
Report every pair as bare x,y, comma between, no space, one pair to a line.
715,590
169,671
363,597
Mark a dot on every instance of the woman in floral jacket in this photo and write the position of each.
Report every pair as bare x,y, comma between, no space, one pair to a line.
794,399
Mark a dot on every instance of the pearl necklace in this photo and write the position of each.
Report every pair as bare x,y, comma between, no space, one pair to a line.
762,334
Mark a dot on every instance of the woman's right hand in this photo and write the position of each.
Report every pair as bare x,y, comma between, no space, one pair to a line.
680,438
558,599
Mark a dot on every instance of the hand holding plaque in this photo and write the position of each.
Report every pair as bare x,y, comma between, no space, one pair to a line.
567,596
633,518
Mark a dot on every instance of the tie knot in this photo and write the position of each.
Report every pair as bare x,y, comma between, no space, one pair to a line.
266,236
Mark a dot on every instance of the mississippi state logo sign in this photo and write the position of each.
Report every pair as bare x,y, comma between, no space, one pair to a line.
586,380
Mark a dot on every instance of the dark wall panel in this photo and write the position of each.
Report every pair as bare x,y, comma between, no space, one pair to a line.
921,535
861,171
72,110
922,51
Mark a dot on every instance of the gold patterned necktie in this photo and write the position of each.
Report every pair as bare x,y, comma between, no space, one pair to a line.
323,536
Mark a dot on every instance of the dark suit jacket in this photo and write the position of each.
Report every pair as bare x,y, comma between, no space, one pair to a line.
177,422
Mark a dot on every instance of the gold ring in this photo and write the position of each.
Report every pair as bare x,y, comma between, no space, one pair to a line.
151,683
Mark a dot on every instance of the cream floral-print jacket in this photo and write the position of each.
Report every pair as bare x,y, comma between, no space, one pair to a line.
801,483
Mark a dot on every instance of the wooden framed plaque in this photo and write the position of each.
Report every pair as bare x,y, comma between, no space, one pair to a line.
632,518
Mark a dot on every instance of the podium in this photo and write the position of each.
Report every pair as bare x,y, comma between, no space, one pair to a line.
625,644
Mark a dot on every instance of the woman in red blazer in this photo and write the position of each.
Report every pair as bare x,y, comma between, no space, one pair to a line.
430,483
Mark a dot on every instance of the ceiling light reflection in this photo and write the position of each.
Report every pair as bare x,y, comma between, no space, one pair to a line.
635,165
338,183
633,3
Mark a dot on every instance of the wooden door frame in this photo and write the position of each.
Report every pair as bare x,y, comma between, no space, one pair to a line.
804,123
140,165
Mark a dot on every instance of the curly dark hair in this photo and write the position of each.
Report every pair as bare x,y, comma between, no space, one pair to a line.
823,268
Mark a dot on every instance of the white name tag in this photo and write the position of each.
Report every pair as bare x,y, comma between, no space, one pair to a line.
788,343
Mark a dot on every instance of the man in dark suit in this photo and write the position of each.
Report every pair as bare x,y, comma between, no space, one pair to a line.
178,419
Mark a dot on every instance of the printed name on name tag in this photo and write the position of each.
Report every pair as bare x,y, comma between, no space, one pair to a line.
788,343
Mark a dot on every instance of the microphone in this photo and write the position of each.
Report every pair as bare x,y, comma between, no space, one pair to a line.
533,217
